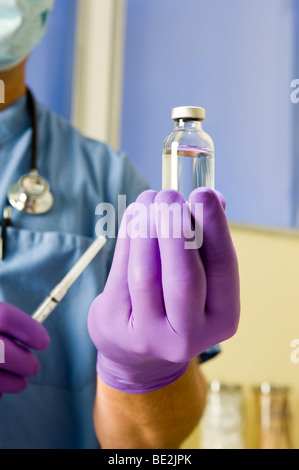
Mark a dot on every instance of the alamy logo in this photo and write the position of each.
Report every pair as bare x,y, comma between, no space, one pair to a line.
295,353
2,92
2,352
295,93
156,220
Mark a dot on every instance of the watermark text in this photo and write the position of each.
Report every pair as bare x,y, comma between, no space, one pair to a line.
155,220
295,93
2,92
295,351
2,352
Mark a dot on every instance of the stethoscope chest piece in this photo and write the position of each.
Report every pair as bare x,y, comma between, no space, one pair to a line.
31,194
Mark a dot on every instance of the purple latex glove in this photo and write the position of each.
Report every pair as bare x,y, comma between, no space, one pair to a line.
18,332
164,304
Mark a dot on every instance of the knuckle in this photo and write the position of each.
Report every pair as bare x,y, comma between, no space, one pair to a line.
181,352
206,194
147,196
234,325
143,279
231,326
169,196
185,286
142,348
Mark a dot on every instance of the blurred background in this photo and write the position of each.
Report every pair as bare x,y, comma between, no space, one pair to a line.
116,68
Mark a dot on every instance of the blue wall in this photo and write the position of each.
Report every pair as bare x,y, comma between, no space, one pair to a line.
50,69
236,59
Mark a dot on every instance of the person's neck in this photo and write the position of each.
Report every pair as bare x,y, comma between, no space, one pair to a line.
13,85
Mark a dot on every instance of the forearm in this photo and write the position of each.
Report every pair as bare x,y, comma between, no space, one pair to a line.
162,419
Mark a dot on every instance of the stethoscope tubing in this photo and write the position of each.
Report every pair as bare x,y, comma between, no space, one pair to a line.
31,193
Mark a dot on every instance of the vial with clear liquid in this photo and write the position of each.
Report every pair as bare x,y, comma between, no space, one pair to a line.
188,159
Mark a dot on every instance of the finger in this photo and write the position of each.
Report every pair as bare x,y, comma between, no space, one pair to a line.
20,326
116,289
18,360
11,383
183,276
217,250
218,256
118,275
144,270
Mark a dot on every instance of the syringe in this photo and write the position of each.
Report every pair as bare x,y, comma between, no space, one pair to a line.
57,294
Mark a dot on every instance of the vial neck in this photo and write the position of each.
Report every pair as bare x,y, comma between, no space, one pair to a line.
188,124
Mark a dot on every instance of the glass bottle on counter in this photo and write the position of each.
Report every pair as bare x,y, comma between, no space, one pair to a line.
222,422
273,426
188,153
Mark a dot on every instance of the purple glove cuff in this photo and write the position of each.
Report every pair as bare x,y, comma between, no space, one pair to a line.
131,380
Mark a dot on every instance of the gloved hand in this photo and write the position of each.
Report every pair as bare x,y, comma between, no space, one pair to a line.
164,304
18,332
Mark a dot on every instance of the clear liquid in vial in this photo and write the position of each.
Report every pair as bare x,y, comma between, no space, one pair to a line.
187,168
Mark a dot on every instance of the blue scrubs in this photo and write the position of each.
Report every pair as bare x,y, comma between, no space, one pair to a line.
55,411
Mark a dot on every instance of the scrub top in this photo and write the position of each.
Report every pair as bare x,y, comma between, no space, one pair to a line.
55,411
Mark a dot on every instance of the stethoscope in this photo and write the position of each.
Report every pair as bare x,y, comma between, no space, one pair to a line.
31,193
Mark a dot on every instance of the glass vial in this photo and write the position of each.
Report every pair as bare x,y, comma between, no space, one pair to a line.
188,158
273,425
222,422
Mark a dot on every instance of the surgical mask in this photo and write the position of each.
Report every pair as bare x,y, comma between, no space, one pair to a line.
22,25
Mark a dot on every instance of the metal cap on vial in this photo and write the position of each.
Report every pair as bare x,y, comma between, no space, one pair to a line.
188,112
